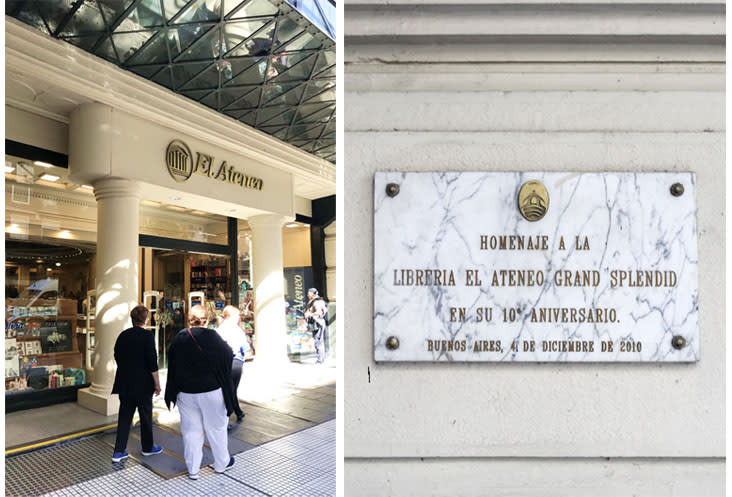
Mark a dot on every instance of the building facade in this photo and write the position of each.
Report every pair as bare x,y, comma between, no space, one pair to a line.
526,86
120,191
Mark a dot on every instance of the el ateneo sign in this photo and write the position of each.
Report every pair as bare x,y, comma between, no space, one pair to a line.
181,166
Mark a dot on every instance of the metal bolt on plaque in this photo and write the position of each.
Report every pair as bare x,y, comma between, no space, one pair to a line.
533,200
677,189
392,189
392,343
678,342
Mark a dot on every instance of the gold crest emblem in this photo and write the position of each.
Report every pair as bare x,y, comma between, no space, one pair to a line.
179,160
533,200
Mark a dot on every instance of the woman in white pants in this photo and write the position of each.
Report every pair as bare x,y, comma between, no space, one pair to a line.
199,382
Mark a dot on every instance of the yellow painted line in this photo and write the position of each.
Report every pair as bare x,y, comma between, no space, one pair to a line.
45,443
59,439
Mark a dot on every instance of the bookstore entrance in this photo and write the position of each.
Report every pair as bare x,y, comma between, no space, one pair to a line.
173,281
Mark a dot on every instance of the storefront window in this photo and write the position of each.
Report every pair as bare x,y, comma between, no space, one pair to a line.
50,247
298,277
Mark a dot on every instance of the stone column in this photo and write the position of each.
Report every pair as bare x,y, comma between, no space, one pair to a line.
269,295
118,213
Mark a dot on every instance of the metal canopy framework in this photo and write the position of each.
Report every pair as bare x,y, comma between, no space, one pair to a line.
267,63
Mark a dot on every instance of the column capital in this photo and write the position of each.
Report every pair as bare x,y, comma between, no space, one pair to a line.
115,187
269,220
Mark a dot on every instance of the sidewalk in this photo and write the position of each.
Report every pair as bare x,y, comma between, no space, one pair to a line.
285,446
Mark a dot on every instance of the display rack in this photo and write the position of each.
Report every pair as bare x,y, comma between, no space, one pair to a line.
208,277
40,333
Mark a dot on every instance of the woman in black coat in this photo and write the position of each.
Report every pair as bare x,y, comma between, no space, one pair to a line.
199,383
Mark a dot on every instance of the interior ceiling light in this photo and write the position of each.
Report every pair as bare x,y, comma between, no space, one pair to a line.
48,269
43,164
64,234
13,228
9,169
88,187
292,225
58,264
50,177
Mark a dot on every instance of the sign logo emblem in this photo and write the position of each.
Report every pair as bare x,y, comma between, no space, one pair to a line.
533,200
179,160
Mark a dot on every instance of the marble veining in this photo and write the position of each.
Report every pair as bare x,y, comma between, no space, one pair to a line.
449,291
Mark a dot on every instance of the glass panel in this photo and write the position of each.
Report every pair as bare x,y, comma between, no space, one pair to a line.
228,96
211,100
54,12
84,42
286,30
315,87
273,91
259,44
329,11
283,119
172,7
128,43
153,53
269,113
87,19
113,9
208,79
209,46
256,8
182,73
182,37
106,50
15,8
282,63
195,94
181,223
304,42
326,96
253,75
147,71
237,32
236,114
249,118
199,11
250,100
145,15
328,73
164,78
325,59
321,116
292,97
298,71
310,133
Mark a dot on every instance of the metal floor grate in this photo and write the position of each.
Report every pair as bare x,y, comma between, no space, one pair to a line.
61,466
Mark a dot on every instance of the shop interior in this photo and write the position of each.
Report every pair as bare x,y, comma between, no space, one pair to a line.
50,241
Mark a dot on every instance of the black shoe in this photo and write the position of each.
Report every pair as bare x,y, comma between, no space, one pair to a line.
239,417
228,466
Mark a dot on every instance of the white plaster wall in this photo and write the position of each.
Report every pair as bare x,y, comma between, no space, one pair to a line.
531,429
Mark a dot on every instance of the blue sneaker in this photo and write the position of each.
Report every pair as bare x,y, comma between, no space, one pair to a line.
118,456
228,466
157,449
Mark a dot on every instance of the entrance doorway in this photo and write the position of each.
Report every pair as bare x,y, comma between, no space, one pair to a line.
173,281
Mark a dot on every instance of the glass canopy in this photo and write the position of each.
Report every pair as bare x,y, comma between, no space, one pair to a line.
268,64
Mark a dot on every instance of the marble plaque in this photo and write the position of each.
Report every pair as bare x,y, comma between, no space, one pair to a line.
607,273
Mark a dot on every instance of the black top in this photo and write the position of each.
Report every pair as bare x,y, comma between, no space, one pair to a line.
136,359
191,370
